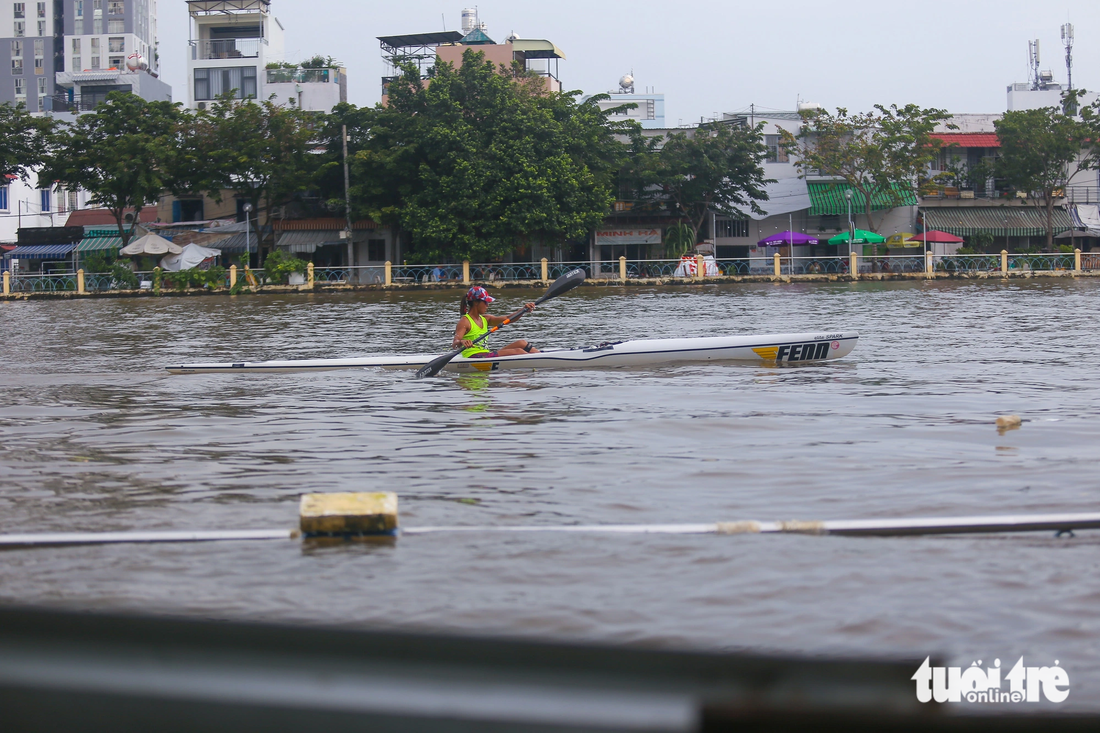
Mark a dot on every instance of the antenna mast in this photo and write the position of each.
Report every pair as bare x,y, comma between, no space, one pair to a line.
1067,41
1033,62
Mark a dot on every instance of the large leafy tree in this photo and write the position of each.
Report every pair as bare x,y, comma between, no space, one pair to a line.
1038,147
124,154
24,140
260,151
483,160
881,154
715,167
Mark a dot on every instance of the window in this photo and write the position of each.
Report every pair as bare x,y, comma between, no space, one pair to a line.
41,27
116,26
830,222
16,49
95,52
76,47
39,56
74,64
74,201
4,197
115,62
731,227
116,8
776,152
45,192
116,45
97,8
41,10
78,7
20,87
20,10
97,26
210,83
42,87
20,29
39,65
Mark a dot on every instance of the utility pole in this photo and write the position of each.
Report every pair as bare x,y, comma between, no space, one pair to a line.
347,199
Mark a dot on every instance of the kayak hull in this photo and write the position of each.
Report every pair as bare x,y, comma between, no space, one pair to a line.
765,349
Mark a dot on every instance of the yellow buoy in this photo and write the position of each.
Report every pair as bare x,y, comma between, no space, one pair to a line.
348,514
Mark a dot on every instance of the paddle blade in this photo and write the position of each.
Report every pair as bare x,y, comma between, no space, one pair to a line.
563,284
432,367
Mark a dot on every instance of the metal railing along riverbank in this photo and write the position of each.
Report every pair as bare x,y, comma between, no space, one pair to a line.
606,272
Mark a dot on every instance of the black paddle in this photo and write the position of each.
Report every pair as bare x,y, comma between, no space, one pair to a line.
566,282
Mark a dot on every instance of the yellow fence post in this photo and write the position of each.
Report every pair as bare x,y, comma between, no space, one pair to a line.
1077,260
7,283
700,266
465,272
853,264
309,274
545,273
928,262
778,266
80,281
1004,262
389,272
232,275
622,267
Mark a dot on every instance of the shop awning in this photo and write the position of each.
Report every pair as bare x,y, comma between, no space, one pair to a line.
827,199
306,241
1000,221
41,251
95,244
242,242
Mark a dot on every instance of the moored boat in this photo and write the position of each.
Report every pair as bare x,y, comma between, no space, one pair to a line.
765,349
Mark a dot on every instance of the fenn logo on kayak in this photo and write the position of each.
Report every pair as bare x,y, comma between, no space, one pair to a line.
797,352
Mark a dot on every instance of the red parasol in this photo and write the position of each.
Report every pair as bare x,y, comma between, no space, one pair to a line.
935,235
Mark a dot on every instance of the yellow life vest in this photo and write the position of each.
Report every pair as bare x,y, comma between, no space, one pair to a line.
475,331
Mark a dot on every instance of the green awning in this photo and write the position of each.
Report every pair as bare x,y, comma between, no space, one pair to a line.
1000,221
827,199
93,244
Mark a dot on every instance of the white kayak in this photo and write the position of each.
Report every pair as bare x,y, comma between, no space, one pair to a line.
767,349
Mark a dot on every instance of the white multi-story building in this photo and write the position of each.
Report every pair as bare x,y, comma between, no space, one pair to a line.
232,44
232,41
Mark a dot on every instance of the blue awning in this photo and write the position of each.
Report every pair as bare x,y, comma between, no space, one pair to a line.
41,251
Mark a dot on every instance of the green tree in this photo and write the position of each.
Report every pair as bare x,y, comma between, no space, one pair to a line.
1038,147
880,154
716,167
260,151
124,154
484,160
23,144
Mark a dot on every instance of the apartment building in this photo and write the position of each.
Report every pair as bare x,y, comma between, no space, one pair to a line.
67,55
30,37
231,44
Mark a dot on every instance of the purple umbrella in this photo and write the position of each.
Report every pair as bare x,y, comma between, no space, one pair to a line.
788,238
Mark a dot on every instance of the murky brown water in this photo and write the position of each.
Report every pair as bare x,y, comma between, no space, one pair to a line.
93,436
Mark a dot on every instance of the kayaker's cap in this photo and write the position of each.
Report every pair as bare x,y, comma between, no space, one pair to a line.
478,293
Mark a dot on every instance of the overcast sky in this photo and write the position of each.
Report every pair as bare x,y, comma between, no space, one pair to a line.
709,56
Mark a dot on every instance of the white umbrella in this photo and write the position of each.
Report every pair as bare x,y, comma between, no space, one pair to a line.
151,244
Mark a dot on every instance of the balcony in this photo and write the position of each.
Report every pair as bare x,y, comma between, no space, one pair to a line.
232,48
302,76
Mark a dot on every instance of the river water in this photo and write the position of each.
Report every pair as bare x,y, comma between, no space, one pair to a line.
94,436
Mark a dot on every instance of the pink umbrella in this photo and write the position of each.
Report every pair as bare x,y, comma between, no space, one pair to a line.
935,235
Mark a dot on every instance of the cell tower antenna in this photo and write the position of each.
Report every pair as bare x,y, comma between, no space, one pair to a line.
1067,41
1033,62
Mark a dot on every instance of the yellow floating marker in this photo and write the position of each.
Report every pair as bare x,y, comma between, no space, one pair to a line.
1009,422
329,515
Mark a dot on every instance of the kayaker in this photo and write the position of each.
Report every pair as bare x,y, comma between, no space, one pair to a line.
476,321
